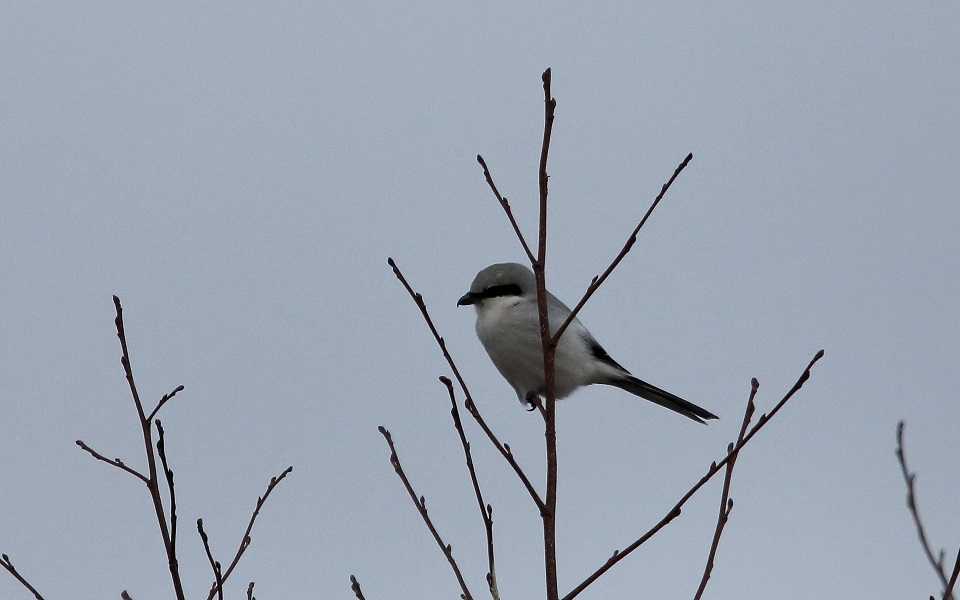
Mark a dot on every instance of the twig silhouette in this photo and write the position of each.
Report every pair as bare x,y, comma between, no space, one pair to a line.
151,479
471,407
909,477
726,502
713,470
421,504
245,541
486,510
355,586
8,565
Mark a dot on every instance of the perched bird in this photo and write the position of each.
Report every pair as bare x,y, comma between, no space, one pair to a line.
508,325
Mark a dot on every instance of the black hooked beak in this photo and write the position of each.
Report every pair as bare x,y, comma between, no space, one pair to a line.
468,299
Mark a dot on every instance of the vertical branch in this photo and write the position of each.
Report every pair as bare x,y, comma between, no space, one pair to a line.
168,473
726,502
549,346
486,510
909,478
153,484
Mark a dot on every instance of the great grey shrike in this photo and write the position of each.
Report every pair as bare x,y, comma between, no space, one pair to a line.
508,325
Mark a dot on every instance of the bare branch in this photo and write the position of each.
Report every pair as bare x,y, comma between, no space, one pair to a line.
250,592
506,208
486,510
245,542
598,281
469,404
948,592
355,586
421,505
909,478
125,596
549,514
713,470
163,401
168,473
151,479
726,503
116,462
8,565
214,565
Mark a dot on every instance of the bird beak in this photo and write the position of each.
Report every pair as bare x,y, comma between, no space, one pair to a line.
467,299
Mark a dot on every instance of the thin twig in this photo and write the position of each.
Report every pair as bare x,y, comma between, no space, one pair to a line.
355,586
124,595
909,478
713,470
6,564
726,502
163,401
471,407
486,510
948,592
245,541
506,208
168,473
549,514
250,592
421,505
151,479
214,565
116,462
598,281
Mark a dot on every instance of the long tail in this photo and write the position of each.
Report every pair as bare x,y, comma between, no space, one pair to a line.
664,398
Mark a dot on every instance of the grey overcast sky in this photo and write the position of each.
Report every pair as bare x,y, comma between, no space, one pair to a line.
238,176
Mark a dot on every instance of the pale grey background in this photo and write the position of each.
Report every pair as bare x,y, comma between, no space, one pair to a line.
239,175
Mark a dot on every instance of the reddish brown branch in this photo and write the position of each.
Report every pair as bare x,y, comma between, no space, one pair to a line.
549,514
486,510
471,407
245,541
6,564
713,470
909,478
598,281
726,502
421,504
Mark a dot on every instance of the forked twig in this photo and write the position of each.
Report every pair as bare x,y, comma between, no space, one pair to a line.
161,450
214,565
726,502
421,504
471,407
245,541
150,479
948,592
713,470
486,510
909,478
6,564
